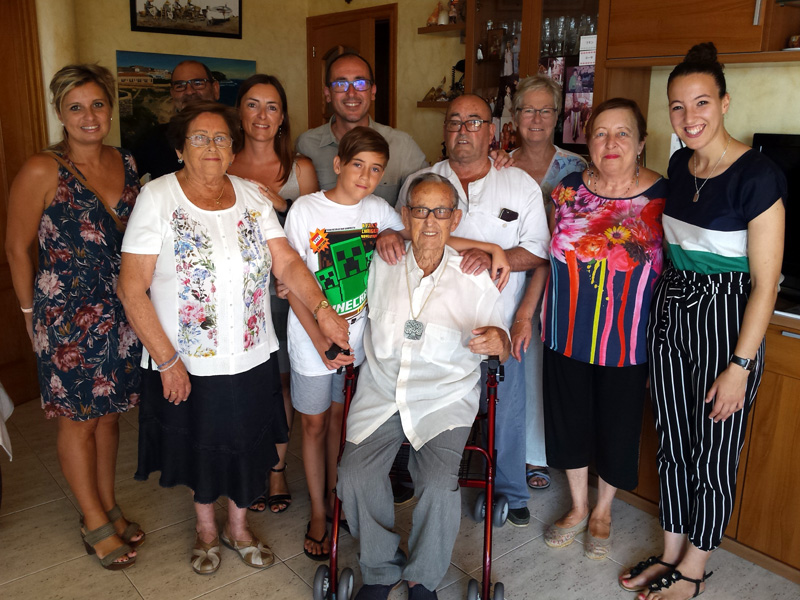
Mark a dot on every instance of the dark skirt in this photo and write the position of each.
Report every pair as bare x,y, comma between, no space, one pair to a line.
221,440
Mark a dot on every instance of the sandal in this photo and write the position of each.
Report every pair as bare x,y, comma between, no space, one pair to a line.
131,531
541,473
322,555
639,569
205,556
109,561
675,576
560,537
283,501
259,504
252,552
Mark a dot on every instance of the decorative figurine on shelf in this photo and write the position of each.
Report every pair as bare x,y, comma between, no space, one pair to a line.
515,53
452,13
479,53
434,18
443,17
508,61
457,87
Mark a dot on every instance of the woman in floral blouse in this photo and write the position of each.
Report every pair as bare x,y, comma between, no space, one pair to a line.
605,256
204,244
75,198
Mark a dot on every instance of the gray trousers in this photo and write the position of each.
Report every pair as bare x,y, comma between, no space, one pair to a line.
366,493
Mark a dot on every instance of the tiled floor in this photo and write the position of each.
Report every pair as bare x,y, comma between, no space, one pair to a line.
41,555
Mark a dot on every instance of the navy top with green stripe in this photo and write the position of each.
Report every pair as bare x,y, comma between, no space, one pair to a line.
710,236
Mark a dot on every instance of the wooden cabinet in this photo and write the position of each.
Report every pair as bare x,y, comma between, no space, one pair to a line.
769,520
641,28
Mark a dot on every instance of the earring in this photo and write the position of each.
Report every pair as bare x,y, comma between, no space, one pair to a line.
280,128
638,159
180,161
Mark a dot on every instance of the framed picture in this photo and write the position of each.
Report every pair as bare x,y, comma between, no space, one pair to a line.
183,17
143,83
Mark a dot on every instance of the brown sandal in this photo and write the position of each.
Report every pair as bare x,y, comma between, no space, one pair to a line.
131,531
205,557
109,561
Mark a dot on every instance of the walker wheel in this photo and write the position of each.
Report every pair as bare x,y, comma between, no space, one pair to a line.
500,510
322,581
479,509
472,590
498,591
345,585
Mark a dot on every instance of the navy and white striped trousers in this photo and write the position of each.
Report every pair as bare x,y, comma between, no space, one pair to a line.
693,329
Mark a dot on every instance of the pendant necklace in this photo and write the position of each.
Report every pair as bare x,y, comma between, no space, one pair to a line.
694,162
218,200
413,328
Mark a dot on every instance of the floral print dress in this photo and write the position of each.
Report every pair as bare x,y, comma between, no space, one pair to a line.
87,353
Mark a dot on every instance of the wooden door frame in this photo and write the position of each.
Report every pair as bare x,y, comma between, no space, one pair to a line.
23,132
375,13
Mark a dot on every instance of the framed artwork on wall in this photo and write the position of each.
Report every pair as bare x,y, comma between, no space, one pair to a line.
184,17
143,83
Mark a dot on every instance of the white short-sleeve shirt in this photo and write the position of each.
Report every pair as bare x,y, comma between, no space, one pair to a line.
210,287
336,242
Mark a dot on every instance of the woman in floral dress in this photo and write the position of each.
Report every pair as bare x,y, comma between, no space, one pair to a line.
605,256
204,245
76,197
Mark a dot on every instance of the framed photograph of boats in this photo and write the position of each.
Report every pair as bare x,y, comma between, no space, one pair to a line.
215,18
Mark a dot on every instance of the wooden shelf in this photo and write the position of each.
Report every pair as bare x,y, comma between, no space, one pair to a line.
435,104
727,59
449,29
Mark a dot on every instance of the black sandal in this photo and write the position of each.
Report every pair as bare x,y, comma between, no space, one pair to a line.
322,555
640,568
282,500
675,576
262,501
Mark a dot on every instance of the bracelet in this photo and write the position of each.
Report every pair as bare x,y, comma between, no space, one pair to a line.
521,321
320,306
172,362
169,360
27,311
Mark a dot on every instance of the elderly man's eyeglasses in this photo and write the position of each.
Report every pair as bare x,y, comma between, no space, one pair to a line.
528,112
360,85
199,140
422,212
473,125
197,84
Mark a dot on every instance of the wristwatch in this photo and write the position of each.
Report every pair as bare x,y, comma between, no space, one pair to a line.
748,364
320,306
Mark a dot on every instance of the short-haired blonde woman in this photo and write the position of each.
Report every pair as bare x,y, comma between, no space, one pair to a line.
75,199
537,104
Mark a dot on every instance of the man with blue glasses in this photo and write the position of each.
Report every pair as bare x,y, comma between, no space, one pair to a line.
350,90
191,81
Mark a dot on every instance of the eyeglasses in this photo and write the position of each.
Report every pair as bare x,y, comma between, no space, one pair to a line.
530,113
197,84
473,125
340,86
422,212
199,140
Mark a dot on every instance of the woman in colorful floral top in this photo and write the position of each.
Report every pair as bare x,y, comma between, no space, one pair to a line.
204,244
537,105
77,197
605,256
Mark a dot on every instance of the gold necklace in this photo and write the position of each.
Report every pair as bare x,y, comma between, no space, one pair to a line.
218,200
694,162
413,329
634,179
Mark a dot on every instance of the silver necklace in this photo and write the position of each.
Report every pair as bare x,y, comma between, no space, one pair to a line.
413,329
694,162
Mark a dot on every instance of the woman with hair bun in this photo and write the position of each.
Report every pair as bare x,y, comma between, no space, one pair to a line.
724,225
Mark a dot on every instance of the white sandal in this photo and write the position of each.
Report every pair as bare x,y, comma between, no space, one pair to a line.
205,556
252,552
